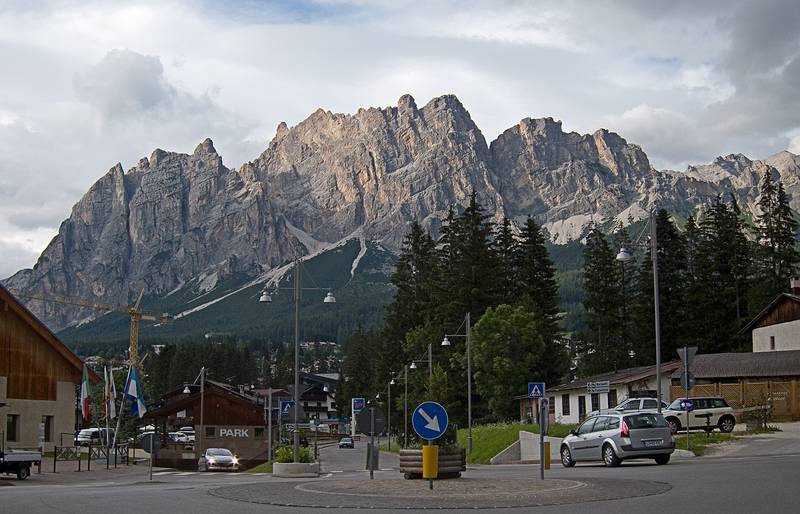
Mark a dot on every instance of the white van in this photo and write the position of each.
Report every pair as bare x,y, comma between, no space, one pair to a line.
95,437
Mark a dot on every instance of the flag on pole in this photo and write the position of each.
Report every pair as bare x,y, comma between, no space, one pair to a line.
133,392
85,394
111,394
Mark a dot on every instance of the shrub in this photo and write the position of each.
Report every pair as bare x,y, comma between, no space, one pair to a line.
285,454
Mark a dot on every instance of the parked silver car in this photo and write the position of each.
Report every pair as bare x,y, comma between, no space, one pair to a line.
613,438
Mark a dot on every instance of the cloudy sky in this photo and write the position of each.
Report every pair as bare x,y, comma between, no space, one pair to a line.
88,84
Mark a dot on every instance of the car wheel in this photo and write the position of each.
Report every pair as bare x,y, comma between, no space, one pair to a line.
566,457
23,472
662,459
610,456
726,424
674,424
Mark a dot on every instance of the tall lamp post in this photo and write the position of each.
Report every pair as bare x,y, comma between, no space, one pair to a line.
446,342
200,435
298,289
623,256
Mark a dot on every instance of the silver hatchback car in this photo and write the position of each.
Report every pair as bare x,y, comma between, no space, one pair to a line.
613,438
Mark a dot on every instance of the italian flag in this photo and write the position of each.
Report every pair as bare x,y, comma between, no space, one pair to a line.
85,394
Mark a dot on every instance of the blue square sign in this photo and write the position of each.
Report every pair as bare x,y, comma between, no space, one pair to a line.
535,389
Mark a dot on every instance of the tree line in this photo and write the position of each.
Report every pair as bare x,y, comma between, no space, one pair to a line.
504,280
714,276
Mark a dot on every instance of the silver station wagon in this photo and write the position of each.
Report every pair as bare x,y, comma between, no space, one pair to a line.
613,438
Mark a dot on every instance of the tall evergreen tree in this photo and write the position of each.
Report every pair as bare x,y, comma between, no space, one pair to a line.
722,262
601,346
537,290
505,247
672,284
788,256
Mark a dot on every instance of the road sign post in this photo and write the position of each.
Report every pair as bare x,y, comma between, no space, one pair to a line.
687,356
544,423
430,422
602,386
535,389
356,406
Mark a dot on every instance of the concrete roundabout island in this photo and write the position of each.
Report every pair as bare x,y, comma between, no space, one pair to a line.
473,493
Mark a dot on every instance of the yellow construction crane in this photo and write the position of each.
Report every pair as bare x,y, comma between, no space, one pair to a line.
134,312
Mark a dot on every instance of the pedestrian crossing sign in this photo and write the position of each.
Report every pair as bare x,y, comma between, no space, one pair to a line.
535,389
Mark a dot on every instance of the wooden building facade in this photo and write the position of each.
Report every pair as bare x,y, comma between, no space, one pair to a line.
38,378
231,420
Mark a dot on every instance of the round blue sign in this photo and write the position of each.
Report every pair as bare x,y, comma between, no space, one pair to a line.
429,420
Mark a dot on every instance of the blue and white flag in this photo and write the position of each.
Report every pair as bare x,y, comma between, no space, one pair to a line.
135,393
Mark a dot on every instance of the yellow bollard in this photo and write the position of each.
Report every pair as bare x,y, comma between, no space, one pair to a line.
430,461
547,455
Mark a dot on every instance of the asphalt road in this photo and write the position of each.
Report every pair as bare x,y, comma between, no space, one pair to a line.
756,476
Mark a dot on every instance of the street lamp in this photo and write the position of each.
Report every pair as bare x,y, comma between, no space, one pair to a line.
446,342
267,298
623,256
199,436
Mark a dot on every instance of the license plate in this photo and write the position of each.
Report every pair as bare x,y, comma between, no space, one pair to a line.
656,442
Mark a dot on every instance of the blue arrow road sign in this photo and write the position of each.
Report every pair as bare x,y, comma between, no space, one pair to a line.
535,389
286,406
429,420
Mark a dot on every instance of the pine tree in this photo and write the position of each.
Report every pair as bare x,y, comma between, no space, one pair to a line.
601,346
722,264
537,291
788,256
672,284
505,247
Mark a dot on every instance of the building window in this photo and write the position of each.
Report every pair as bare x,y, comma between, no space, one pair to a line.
211,431
581,406
612,398
771,342
12,424
259,432
565,405
47,421
551,405
595,401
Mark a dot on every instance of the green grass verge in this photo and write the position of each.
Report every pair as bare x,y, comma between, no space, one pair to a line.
265,467
489,440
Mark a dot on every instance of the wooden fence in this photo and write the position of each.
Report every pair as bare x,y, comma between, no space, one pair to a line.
782,397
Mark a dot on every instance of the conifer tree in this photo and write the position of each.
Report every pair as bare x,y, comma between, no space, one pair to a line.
601,345
537,290
505,247
672,284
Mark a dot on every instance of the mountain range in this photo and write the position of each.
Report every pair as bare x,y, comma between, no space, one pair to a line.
196,234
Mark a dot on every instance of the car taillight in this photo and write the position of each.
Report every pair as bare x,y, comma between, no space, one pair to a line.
625,432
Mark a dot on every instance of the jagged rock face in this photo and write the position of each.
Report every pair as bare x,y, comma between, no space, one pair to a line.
377,170
177,220
169,220
552,175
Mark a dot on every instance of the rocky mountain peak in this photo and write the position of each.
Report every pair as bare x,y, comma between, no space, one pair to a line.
205,148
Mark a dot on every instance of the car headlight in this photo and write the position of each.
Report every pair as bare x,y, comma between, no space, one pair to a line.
235,461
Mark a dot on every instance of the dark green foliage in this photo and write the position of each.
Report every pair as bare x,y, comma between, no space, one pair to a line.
603,343
775,231
509,350
673,280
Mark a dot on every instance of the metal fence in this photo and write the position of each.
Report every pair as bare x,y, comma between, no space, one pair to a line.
783,397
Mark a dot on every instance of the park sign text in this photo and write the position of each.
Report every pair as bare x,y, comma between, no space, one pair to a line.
234,432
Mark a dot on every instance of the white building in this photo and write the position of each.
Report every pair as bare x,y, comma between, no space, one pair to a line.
777,327
569,403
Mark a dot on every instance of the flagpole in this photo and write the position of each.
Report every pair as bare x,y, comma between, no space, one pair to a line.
121,409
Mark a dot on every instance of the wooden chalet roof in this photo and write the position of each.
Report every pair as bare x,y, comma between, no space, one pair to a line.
771,306
9,302
745,365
